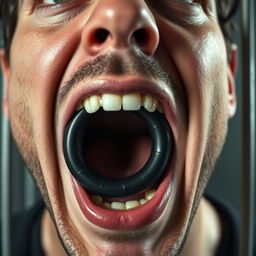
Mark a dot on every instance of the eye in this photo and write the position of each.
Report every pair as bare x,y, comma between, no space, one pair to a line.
184,1
196,2
58,12
55,1
191,1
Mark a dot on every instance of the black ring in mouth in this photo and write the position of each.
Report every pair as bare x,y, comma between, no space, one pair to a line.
143,179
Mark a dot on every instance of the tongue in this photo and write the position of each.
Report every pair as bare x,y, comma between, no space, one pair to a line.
117,144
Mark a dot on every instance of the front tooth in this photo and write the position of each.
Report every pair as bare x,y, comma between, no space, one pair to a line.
118,205
97,199
150,194
94,103
87,105
150,103
131,204
111,102
131,101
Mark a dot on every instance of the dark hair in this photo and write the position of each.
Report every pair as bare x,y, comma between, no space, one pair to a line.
9,13
8,16
226,10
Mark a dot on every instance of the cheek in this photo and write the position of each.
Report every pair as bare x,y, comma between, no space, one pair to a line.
211,85
204,70
213,72
21,124
37,66
22,65
196,52
19,90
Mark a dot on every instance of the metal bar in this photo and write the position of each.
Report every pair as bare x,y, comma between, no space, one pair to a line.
5,188
248,89
29,190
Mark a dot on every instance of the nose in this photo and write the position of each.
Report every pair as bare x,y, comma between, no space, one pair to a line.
120,24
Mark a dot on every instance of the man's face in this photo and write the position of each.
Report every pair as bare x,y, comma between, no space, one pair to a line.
172,50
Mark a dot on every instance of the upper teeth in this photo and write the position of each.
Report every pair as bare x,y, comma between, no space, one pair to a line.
115,102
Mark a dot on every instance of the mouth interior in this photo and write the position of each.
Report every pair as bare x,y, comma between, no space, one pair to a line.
117,144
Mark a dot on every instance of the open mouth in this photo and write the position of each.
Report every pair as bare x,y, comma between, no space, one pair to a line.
118,149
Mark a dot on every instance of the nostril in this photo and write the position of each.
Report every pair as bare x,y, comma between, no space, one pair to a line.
140,36
101,35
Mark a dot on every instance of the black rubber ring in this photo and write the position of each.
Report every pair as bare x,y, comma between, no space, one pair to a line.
94,182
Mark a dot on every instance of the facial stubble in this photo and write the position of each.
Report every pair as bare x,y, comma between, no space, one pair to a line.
23,132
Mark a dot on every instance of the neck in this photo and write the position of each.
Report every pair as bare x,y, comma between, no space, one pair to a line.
205,232
50,241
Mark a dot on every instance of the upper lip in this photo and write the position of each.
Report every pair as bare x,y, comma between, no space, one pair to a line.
122,86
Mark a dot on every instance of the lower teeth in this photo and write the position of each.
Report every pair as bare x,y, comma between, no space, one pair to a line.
98,200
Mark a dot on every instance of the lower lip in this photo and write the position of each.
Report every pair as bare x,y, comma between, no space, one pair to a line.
128,219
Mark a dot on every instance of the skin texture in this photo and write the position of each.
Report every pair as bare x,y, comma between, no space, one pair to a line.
186,43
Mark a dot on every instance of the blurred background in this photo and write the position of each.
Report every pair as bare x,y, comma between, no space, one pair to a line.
225,181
